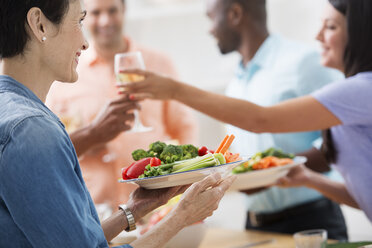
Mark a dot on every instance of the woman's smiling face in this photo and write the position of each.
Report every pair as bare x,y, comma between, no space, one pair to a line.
64,45
333,38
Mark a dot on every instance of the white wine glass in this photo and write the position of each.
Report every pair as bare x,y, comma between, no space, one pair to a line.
130,61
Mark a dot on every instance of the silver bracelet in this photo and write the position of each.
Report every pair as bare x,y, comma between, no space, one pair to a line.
130,218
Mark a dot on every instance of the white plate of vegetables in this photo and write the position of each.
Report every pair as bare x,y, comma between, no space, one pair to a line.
264,169
164,166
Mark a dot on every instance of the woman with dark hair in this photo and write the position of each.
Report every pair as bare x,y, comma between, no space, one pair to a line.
344,107
43,199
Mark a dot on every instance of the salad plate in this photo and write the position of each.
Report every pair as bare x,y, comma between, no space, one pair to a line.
260,178
183,178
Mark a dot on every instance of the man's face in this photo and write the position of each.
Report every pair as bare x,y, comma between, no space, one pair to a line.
105,20
228,39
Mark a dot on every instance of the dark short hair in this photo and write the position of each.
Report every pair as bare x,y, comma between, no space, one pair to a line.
358,52
256,8
13,21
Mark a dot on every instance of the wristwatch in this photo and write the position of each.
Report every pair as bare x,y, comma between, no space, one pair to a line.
130,218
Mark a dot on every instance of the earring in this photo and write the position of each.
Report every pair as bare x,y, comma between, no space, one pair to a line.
44,39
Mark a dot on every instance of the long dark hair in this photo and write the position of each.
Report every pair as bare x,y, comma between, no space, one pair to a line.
358,52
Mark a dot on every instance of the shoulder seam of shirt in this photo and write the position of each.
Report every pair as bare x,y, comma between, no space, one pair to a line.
19,122
28,100
15,125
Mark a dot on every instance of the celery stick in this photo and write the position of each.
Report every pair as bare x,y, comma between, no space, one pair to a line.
208,160
191,161
197,166
201,163
220,157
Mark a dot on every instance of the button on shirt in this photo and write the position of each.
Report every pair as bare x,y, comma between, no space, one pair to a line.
280,70
43,199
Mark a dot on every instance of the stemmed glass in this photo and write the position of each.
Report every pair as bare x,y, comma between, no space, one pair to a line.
129,61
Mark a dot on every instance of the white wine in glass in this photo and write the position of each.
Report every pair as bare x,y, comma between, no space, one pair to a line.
130,61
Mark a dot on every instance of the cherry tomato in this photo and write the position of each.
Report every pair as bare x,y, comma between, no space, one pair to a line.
155,162
202,151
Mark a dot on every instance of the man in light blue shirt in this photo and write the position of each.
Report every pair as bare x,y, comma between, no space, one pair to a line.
272,70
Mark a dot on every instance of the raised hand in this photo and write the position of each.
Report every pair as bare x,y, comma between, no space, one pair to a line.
297,177
202,199
114,118
142,201
153,86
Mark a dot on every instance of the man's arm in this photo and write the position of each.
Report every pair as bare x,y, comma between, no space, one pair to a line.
316,160
113,119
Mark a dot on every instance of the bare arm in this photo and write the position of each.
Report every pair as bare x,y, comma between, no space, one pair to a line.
302,176
333,190
295,115
83,140
113,119
316,160
160,234
114,225
141,202
197,203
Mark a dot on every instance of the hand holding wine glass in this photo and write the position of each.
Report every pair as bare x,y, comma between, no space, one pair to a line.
130,61
152,86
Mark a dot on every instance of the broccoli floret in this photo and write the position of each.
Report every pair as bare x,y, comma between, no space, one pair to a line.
281,154
139,154
189,151
276,153
157,147
268,152
171,153
152,154
156,171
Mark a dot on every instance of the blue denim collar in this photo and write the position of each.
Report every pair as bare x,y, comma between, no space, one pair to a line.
9,84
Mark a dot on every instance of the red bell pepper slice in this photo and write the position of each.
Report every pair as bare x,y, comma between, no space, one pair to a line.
137,168
124,172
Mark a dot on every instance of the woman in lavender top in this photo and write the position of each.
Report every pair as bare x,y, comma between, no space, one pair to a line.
344,109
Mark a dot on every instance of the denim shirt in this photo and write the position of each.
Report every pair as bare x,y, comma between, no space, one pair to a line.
43,198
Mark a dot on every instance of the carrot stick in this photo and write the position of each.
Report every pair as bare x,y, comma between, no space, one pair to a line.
227,144
222,144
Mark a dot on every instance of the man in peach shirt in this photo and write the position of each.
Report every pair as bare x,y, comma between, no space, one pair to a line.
96,116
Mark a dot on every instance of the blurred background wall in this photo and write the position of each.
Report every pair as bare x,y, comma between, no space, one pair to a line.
180,29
